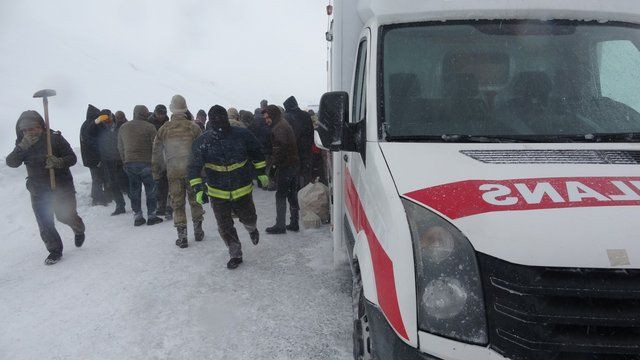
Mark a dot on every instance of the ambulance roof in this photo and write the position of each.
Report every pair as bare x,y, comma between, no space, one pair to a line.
396,11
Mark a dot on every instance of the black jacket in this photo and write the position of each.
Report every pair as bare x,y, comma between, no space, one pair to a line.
34,159
302,126
88,144
262,132
106,138
155,122
231,159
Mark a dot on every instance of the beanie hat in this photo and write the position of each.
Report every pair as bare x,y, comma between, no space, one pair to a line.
219,118
263,104
233,113
160,109
201,113
178,105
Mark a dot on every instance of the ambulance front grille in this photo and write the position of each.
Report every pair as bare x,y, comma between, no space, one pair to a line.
613,157
561,313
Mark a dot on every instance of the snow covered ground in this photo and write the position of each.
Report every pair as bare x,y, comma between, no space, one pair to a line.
130,293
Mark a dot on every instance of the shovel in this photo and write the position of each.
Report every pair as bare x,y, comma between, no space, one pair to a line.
44,94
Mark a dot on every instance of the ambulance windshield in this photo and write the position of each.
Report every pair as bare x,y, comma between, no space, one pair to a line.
511,81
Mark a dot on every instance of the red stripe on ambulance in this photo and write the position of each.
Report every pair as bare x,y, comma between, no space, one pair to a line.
471,197
382,264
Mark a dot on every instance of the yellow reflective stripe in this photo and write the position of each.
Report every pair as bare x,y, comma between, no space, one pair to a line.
196,181
227,168
238,193
260,165
229,195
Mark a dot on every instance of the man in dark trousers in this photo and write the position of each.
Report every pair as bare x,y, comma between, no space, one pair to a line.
135,144
302,126
31,150
231,157
158,118
283,166
105,130
91,158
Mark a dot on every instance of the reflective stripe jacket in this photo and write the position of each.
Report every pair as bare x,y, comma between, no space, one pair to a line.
231,160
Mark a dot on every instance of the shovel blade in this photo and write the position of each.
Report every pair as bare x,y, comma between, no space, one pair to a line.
44,93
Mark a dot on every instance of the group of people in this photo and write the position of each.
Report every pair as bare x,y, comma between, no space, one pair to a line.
177,159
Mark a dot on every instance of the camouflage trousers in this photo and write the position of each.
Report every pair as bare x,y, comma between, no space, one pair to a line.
178,189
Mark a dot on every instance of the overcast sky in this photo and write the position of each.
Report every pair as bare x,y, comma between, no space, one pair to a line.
119,53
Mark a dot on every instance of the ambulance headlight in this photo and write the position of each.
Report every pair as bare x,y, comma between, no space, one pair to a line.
449,290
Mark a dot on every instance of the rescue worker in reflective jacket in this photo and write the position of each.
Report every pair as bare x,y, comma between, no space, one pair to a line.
231,156
31,150
171,151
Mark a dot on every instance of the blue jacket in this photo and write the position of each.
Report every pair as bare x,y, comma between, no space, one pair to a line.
231,160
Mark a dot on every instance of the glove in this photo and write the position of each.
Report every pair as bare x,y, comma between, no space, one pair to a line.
27,142
201,197
54,162
264,180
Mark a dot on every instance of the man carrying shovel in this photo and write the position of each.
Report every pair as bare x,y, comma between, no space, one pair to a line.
47,156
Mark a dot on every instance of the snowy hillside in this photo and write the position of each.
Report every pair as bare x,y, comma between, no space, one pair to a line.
130,293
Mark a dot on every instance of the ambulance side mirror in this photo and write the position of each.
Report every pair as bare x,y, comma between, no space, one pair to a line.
333,114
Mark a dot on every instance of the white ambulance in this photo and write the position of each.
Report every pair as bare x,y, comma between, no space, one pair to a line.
486,178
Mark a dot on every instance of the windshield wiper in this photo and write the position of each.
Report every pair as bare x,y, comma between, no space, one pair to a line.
612,137
560,138
468,138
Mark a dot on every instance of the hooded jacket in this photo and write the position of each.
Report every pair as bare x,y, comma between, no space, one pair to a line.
172,146
88,143
283,141
35,156
302,126
230,158
135,138
106,137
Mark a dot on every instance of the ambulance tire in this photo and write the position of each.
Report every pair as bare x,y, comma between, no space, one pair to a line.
361,329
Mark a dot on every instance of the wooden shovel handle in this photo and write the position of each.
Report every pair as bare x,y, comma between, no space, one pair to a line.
52,174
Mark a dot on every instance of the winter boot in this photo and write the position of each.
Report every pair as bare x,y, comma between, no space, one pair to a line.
255,237
275,229
169,215
293,226
154,220
54,258
139,221
233,263
197,230
119,210
79,239
295,215
182,237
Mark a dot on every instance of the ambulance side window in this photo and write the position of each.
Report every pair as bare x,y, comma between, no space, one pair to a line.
620,71
359,85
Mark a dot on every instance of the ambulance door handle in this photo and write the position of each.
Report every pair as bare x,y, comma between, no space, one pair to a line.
346,158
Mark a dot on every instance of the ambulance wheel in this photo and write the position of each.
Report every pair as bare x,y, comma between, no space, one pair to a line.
361,328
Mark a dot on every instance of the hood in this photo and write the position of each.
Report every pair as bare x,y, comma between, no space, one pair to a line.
92,112
291,104
140,112
536,205
29,114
